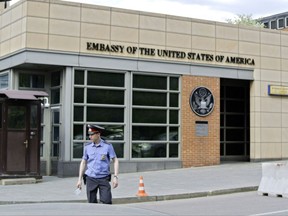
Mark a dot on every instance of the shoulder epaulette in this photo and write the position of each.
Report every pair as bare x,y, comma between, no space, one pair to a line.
104,141
87,144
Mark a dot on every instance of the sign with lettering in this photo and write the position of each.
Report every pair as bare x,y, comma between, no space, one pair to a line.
171,54
201,128
278,90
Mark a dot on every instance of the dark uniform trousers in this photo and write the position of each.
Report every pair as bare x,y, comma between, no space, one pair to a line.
103,184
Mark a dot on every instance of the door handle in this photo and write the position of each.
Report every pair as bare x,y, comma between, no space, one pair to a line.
26,143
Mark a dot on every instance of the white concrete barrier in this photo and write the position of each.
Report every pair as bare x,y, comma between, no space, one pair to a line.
17,181
274,181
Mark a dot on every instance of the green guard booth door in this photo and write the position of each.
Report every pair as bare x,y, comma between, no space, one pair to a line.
20,133
23,124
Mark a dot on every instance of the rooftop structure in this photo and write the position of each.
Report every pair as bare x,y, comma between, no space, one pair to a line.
276,21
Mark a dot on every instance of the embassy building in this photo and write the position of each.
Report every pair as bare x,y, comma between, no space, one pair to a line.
171,92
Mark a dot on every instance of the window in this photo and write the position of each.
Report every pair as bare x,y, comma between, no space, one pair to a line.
273,24
4,78
55,132
55,96
96,78
33,117
99,98
42,135
31,80
55,79
280,23
55,87
155,116
55,83
16,117
152,104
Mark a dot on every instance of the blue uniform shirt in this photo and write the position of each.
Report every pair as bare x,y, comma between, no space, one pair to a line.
98,159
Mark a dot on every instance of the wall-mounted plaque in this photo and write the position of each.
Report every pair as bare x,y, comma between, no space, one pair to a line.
278,90
202,101
201,128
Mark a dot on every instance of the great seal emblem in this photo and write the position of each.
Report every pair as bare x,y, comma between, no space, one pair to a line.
202,101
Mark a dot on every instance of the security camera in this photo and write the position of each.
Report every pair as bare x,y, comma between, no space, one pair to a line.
45,102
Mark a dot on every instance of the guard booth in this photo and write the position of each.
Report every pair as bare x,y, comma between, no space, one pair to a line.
20,133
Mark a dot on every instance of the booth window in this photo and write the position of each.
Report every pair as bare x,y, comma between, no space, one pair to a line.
16,117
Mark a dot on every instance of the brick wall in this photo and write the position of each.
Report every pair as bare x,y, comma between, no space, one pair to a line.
200,151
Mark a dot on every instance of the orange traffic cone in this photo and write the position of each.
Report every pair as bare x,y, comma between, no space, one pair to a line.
141,190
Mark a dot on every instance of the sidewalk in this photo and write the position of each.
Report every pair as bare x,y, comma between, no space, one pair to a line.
159,185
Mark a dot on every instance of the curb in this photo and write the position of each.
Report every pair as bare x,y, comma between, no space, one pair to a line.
128,200
183,196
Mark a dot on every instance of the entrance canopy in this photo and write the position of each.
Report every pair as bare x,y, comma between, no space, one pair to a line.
21,94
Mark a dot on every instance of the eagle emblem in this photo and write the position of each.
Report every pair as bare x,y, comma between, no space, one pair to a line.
202,101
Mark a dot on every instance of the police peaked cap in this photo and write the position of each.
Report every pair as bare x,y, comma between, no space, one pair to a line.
95,128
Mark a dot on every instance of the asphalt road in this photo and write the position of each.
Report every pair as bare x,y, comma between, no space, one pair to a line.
83,209
236,204
245,203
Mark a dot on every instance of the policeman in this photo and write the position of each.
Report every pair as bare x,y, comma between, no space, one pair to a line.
96,157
